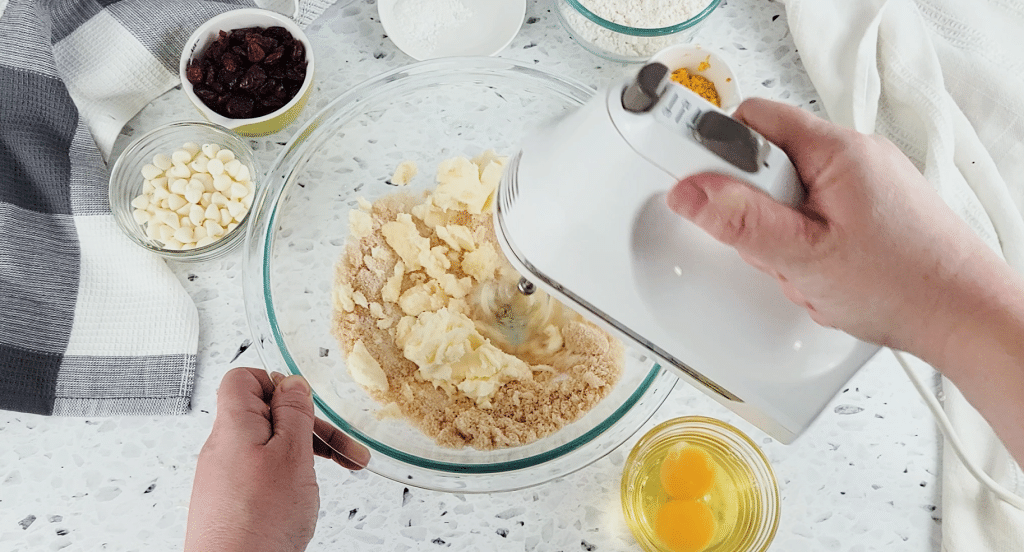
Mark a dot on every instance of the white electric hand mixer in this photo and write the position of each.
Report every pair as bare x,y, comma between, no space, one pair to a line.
581,213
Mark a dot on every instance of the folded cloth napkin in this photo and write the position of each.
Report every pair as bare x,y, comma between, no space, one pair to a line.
943,80
90,324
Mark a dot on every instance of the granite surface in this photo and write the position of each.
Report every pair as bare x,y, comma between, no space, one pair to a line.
864,477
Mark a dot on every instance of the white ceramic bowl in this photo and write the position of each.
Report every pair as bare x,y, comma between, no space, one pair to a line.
708,63
239,19
473,28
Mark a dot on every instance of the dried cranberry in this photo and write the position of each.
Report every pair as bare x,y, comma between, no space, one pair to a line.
255,53
194,73
240,107
298,52
274,56
205,94
230,62
253,78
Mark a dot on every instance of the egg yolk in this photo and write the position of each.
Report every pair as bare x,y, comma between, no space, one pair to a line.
687,472
684,525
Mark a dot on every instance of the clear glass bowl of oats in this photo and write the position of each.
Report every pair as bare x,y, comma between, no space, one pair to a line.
365,265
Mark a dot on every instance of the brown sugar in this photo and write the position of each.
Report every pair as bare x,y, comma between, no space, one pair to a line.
571,363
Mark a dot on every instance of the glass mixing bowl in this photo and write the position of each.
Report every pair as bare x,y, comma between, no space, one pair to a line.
425,112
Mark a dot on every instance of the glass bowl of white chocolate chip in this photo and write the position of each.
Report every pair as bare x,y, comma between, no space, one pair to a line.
371,269
184,190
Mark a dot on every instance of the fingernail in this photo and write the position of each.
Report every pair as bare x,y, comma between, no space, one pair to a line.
728,199
276,377
294,384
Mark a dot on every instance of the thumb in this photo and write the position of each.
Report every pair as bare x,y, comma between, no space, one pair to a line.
291,408
739,215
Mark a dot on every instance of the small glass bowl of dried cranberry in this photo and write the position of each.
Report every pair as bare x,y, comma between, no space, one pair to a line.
249,70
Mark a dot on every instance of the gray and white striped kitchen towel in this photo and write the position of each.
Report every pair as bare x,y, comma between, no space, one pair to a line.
90,324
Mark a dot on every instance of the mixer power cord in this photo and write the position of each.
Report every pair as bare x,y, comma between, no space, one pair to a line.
951,437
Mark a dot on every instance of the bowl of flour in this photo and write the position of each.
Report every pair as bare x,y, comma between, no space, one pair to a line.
430,29
631,31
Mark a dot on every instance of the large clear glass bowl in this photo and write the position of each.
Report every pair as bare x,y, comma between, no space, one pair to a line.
425,112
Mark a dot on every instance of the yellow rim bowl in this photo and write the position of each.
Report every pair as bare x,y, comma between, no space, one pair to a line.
238,19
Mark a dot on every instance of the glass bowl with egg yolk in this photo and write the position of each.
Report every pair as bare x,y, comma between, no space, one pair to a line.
696,484
425,113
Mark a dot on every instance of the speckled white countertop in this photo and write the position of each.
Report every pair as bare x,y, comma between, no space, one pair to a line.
864,477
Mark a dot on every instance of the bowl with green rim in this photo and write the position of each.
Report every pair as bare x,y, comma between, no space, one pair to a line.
624,39
428,111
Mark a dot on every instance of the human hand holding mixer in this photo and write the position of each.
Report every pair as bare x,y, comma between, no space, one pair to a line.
874,251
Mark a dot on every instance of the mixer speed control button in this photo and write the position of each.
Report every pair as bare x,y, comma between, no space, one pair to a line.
731,140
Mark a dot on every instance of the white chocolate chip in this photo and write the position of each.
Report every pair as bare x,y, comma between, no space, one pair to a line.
151,171
194,191
210,150
140,202
166,233
162,162
181,156
225,155
178,186
197,215
184,235
199,163
191,147
215,167
221,182
235,208
175,202
238,191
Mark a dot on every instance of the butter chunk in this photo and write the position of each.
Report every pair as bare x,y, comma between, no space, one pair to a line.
451,354
435,262
404,173
360,224
393,286
459,187
365,369
455,287
342,297
431,215
436,339
481,263
457,237
403,236
360,299
487,158
427,296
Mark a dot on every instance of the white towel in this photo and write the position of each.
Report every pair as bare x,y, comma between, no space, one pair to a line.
944,80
